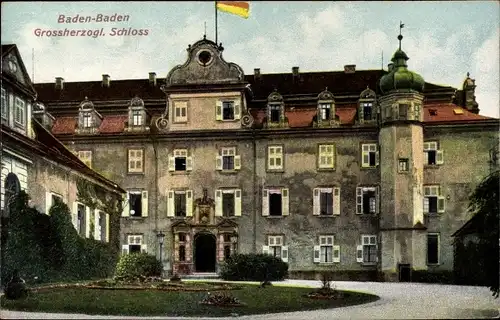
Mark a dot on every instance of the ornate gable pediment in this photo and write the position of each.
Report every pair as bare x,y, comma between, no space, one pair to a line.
205,65
227,223
12,64
180,224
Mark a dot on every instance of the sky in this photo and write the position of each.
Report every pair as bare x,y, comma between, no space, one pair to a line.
444,40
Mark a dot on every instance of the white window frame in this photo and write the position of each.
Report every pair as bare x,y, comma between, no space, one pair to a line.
135,160
326,156
326,243
438,248
276,247
335,191
137,117
5,104
180,105
228,152
134,239
323,106
400,168
219,202
366,240
86,157
188,194
433,146
48,200
363,106
274,153
366,150
180,153
431,191
87,119
144,204
359,199
285,201
20,107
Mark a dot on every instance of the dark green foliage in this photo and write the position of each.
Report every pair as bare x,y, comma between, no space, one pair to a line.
175,278
253,267
484,202
443,277
16,288
47,248
137,267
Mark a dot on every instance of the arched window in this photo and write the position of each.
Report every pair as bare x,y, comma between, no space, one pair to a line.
12,187
326,114
367,108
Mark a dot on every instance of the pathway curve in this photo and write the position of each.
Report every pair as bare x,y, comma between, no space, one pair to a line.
397,301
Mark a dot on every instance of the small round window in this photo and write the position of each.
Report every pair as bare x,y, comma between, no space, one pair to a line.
204,57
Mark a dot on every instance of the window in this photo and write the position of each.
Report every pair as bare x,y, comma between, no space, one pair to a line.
326,252
86,157
325,110
135,244
326,201
227,110
432,155
87,119
103,227
137,118
368,111
4,105
275,113
50,200
20,112
181,239
433,201
228,202
369,155
136,204
276,248
135,201
403,111
180,111
227,245
180,203
366,200
180,161
367,251
275,202
433,248
227,251
135,161
326,158
275,158
403,165
227,160
81,220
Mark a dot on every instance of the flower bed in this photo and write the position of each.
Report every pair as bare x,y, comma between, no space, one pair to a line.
222,300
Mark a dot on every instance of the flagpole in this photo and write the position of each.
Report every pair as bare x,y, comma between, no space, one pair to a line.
215,2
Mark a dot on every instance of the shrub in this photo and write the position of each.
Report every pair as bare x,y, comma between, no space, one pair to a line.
253,267
16,288
137,266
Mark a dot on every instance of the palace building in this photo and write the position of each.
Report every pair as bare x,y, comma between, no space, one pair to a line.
358,171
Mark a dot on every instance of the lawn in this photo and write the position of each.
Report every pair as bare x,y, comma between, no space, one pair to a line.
271,299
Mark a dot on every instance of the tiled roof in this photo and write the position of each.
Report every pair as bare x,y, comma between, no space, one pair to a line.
449,112
113,124
64,125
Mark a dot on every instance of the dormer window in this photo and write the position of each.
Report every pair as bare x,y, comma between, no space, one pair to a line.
136,115
87,119
325,111
275,110
136,118
367,111
367,106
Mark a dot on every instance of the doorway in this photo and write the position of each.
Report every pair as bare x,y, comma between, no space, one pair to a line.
404,272
204,252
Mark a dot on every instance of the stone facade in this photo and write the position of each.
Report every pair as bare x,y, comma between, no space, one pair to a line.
325,179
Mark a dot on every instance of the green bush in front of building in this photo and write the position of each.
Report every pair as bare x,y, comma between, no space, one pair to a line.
137,267
253,267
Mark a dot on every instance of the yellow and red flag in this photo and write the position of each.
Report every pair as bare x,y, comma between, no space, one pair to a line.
239,8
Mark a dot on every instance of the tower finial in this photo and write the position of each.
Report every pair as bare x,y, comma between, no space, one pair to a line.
205,33
468,74
400,37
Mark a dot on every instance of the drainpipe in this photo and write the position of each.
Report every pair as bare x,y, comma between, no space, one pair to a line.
255,193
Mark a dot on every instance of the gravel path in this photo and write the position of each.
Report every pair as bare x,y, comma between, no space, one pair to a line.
398,301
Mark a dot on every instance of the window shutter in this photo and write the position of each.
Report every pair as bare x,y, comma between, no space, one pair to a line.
125,249
237,162
316,202
237,110
218,162
336,201
48,202
171,204
145,204
426,205
107,227
265,202
336,253
285,207
218,110
365,159
189,203
316,254
218,203
220,248
441,205
97,225
426,158
439,157
237,202
377,158
265,249
359,200
189,163
359,253
74,216
126,205
171,164
87,222
144,248
377,199
284,253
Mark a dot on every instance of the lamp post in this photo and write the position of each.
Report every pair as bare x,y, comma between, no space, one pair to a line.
161,237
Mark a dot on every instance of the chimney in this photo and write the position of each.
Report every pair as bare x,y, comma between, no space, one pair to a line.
256,73
105,80
390,66
152,79
295,71
59,83
350,68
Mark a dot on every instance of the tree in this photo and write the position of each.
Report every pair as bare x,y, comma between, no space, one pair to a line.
484,203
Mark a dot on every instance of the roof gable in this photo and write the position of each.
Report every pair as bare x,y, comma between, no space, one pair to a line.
13,67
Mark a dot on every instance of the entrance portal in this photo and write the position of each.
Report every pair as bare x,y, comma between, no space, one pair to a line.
404,272
204,252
